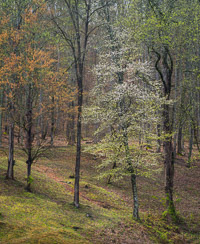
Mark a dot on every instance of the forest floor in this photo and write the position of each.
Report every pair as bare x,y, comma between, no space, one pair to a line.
47,215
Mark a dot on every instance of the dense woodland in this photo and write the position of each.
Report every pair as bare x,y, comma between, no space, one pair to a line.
113,81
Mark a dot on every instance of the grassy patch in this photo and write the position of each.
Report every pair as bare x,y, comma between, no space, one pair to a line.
47,215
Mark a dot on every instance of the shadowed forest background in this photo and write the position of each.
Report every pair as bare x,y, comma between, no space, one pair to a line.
99,121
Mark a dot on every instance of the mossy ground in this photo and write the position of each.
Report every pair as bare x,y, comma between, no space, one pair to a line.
47,215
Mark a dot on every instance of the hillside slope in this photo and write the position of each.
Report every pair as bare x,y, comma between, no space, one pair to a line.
47,215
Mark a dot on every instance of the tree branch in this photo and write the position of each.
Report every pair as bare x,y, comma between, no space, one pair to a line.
158,69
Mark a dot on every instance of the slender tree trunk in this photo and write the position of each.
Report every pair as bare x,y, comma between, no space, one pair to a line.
11,162
78,145
158,140
79,67
28,187
6,123
19,137
110,176
29,136
179,149
78,45
70,130
174,123
41,118
113,136
195,133
169,162
73,136
52,122
190,144
1,114
135,196
45,130
133,174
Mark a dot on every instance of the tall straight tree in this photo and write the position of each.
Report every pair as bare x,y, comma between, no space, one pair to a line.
76,29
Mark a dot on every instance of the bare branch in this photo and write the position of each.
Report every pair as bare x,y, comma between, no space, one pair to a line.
158,68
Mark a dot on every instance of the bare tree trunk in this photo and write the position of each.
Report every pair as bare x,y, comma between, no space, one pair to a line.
20,134
180,149
6,118
164,66
135,197
174,116
133,174
73,136
195,133
29,136
158,140
78,145
110,176
80,15
190,144
43,125
169,162
1,114
11,162
52,122
45,130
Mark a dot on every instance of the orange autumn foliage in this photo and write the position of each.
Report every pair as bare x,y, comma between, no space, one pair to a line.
25,59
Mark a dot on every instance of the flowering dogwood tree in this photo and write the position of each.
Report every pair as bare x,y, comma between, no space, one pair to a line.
123,107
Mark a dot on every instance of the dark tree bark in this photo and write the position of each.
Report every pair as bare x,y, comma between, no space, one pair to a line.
1,115
6,119
132,173
70,130
164,66
11,162
110,176
78,145
180,149
169,161
29,135
174,113
196,132
80,14
52,122
158,140
191,130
